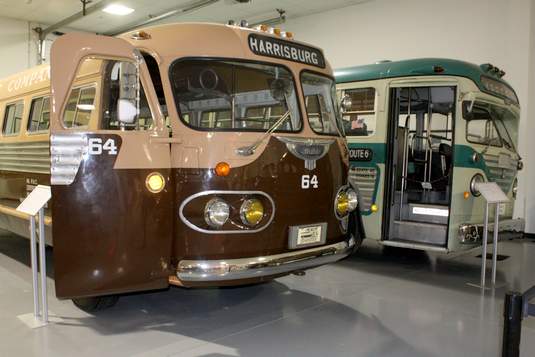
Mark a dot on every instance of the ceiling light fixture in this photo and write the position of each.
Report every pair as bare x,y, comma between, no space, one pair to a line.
118,9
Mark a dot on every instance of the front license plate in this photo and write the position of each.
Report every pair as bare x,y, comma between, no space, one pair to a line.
306,236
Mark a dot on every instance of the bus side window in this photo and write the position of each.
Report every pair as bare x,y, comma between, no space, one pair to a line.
120,82
360,119
39,115
13,118
79,107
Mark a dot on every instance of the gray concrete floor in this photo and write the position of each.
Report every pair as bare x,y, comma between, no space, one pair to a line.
372,304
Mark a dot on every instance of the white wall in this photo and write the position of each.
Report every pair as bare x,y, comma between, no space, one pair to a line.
480,31
18,47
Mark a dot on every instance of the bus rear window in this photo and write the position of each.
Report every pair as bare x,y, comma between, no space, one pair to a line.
234,96
360,119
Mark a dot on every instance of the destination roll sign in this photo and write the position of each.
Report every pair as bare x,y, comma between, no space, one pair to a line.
273,47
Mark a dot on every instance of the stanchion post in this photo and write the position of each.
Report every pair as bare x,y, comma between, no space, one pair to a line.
33,254
485,241
42,263
512,324
495,243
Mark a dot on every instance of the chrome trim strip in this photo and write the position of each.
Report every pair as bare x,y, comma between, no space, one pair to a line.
222,192
253,267
31,157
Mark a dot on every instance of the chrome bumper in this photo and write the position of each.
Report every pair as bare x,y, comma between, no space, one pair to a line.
472,233
246,268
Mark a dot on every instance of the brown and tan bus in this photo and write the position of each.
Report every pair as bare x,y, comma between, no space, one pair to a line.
191,154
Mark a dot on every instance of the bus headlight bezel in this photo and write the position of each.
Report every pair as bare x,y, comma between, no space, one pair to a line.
345,202
216,212
252,212
353,199
477,178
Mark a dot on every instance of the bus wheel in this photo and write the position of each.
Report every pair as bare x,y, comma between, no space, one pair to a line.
95,303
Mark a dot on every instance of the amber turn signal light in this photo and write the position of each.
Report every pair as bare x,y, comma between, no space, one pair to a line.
466,195
222,169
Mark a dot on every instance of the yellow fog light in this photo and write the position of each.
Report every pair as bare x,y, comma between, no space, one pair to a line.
342,204
251,212
374,208
155,182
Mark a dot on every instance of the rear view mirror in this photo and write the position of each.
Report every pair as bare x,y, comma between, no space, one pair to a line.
126,111
346,103
127,74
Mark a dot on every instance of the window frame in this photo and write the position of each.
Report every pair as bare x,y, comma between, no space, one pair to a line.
482,144
81,87
176,103
339,131
375,103
490,118
14,103
29,123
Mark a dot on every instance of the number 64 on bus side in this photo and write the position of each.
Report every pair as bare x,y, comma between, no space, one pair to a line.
308,181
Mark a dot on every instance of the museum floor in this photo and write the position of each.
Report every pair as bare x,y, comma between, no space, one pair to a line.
373,304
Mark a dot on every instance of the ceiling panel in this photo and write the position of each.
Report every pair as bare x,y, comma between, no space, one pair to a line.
52,11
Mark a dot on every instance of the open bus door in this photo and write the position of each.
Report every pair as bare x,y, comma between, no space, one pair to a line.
111,234
420,150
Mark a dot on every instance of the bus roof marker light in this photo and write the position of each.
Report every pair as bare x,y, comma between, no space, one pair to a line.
438,69
118,9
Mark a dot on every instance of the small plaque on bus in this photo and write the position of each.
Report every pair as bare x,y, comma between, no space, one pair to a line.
360,154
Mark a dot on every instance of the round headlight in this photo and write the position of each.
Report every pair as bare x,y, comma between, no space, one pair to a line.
352,199
478,178
155,182
251,212
216,212
341,204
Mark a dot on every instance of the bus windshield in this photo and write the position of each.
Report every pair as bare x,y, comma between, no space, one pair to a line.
492,125
507,125
322,109
234,96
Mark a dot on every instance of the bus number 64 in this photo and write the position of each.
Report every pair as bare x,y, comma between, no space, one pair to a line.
308,181
97,148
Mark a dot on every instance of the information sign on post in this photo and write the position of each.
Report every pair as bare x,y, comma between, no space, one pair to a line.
32,205
493,194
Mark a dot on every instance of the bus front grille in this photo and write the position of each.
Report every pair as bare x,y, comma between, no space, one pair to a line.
364,180
501,169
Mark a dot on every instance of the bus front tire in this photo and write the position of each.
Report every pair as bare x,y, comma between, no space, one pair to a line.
95,303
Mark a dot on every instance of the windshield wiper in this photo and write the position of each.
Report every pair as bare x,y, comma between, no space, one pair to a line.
250,149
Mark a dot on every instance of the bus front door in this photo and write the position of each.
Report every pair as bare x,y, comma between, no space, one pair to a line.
420,155
112,199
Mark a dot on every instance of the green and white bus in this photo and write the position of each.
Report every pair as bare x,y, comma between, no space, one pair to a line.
421,134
